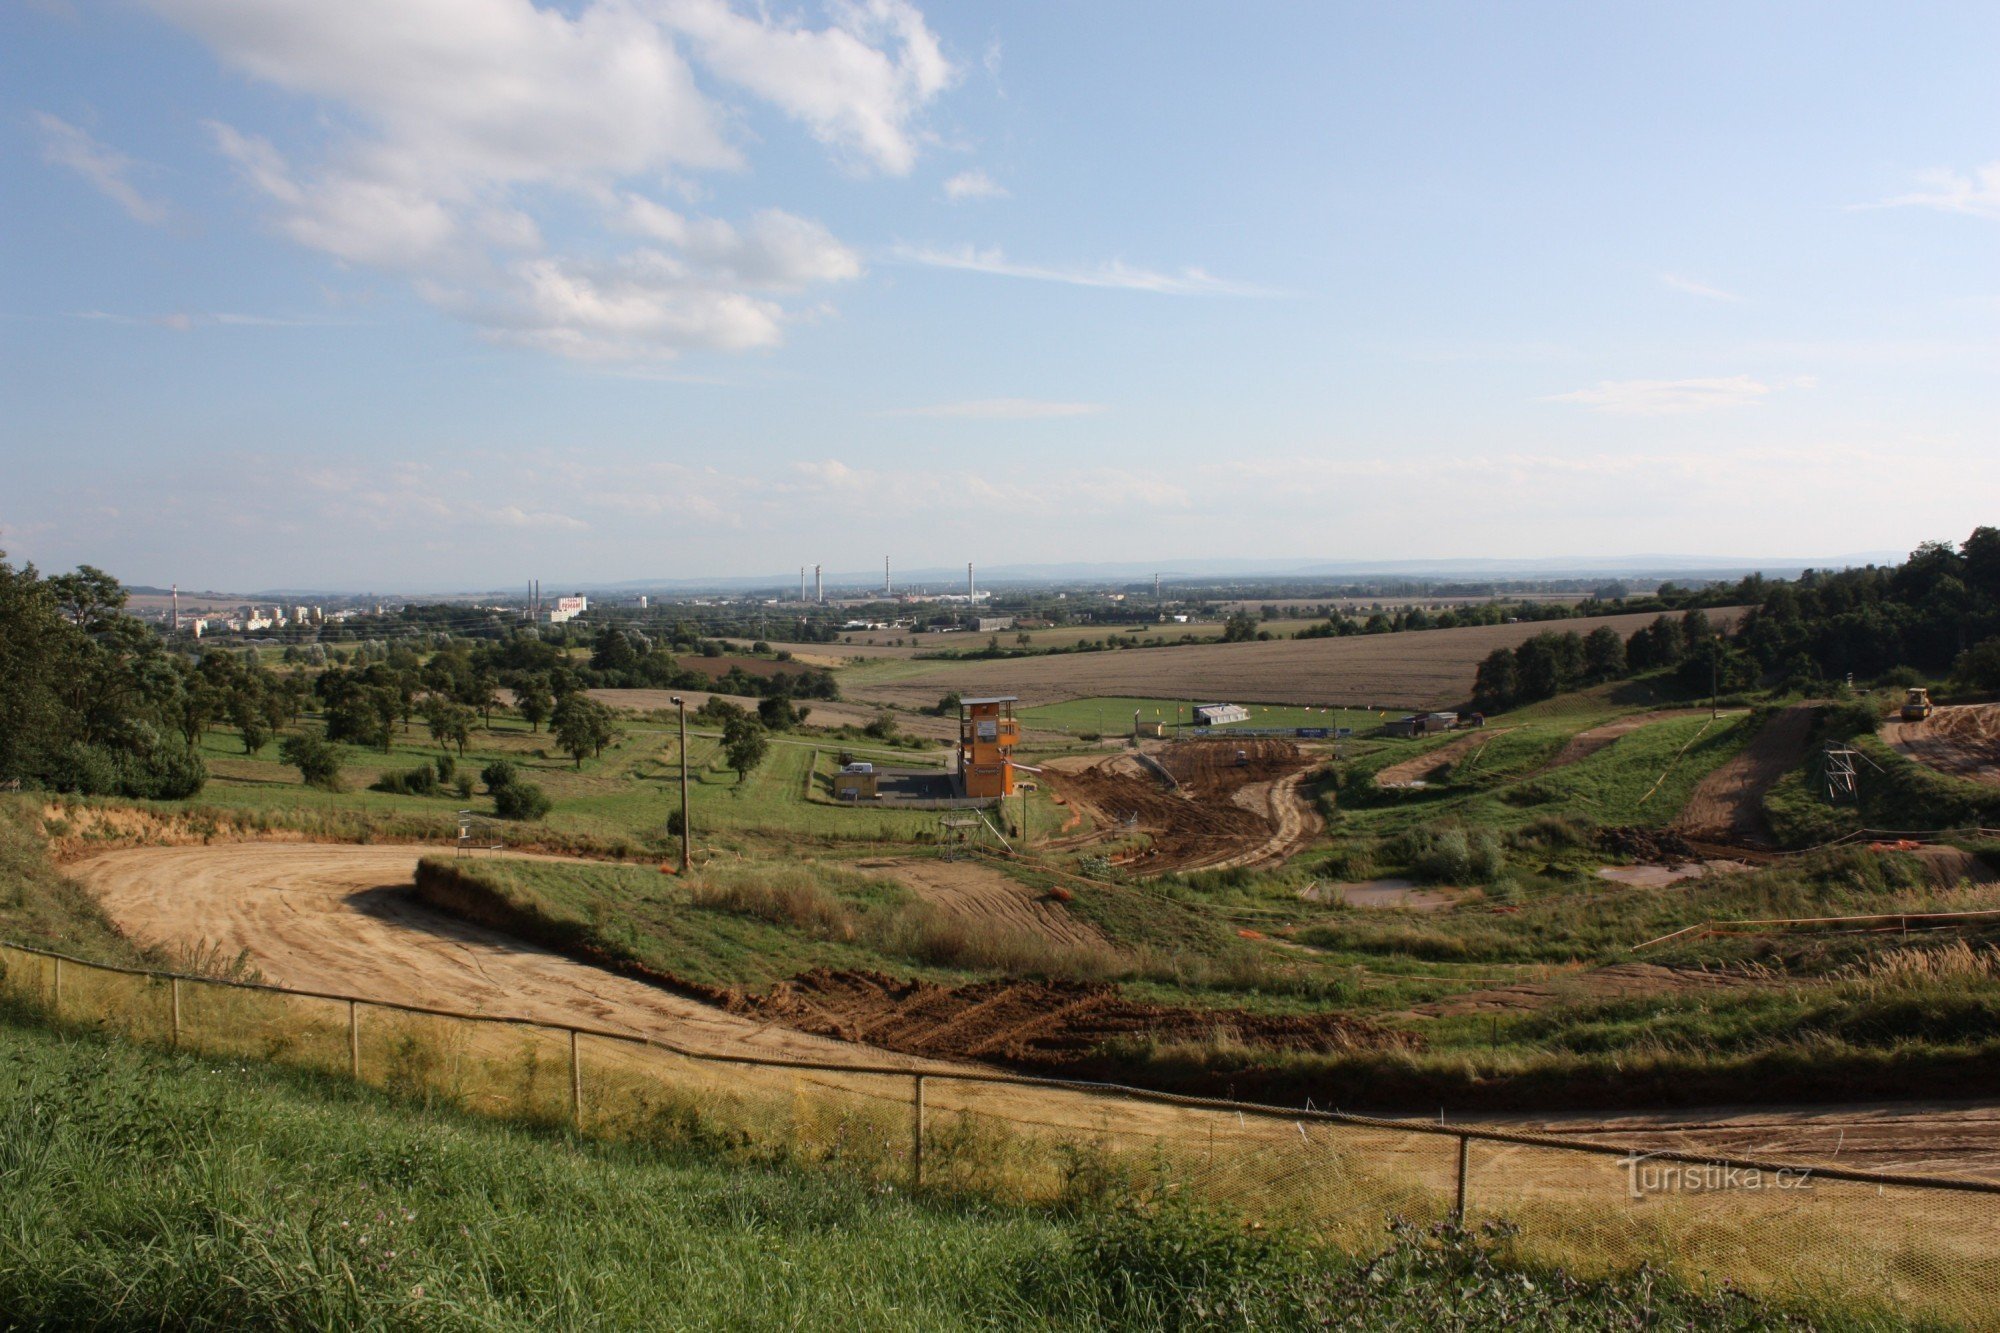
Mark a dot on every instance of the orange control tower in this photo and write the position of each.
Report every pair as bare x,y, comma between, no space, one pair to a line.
987,734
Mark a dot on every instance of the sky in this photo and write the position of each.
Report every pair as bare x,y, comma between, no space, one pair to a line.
439,294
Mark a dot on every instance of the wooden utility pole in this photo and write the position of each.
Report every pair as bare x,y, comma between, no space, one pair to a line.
686,832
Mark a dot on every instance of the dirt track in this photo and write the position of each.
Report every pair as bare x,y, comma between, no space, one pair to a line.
1221,814
339,918
1727,805
342,919
1962,740
977,891
1588,742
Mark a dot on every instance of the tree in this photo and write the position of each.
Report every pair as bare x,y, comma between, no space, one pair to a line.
883,727
1241,627
1978,668
246,710
449,723
1603,654
744,745
777,713
316,758
1495,684
535,700
521,800
582,726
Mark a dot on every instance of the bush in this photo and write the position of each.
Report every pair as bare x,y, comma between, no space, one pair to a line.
419,781
446,767
317,759
1452,854
521,800
500,773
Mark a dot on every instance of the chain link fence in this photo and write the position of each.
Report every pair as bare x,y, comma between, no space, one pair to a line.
1918,1247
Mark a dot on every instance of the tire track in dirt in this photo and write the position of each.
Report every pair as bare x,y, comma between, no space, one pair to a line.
1593,739
1727,805
1960,739
1427,765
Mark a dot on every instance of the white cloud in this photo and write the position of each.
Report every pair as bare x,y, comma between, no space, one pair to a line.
458,130
1695,287
106,168
1976,195
1114,273
1000,409
967,185
857,85
1673,397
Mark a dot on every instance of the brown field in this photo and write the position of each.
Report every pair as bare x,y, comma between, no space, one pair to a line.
1421,669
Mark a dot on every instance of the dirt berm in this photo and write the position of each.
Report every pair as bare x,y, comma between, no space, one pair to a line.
1043,1026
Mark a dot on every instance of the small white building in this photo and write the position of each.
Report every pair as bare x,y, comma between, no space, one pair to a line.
1220,715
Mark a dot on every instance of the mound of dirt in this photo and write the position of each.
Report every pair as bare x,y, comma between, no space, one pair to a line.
1961,739
1051,1026
1235,801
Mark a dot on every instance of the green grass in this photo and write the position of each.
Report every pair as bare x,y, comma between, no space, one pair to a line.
38,906
1112,716
155,1190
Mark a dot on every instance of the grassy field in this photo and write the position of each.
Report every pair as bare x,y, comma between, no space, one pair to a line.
154,1190
1112,716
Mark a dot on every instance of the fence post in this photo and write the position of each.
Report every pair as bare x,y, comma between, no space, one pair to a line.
1464,1156
575,1083
353,1041
917,1135
174,994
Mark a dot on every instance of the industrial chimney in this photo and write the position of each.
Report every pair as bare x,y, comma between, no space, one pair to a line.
971,590
819,588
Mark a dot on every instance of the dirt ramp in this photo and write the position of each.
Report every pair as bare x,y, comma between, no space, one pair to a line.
1049,1026
1728,805
976,891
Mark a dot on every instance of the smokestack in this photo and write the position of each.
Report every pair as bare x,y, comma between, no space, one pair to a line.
802,583
177,608
888,588
971,589
819,588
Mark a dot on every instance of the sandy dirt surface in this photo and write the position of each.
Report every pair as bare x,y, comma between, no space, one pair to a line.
1222,813
1727,805
342,919
1431,765
981,892
1420,669
1660,876
1390,891
1962,740
1917,1138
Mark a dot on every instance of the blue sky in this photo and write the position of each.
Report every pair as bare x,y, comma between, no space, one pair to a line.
453,293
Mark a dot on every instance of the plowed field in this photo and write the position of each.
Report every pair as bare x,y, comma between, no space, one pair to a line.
1419,669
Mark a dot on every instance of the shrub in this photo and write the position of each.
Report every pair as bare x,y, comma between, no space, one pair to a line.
446,767
419,781
521,800
500,773
316,758
1453,854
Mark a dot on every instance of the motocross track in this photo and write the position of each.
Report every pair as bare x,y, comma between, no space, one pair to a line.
344,919
1221,813
1960,739
1433,763
1588,742
1727,805
976,891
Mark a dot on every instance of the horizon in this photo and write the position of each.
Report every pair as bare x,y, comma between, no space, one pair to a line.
299,297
